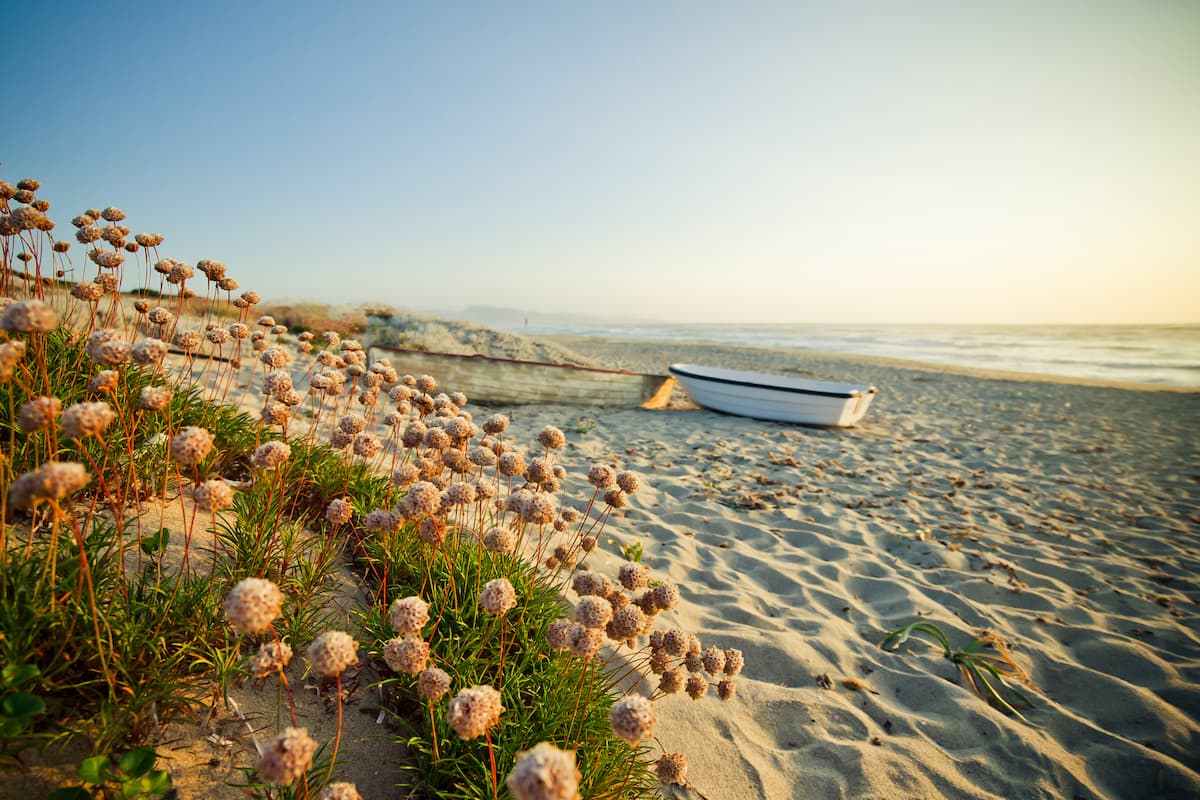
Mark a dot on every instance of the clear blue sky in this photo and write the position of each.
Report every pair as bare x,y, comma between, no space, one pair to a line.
775,162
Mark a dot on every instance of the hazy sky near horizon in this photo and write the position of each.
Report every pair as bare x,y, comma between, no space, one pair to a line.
681,161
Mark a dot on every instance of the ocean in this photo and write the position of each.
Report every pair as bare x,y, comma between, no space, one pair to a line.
1161,354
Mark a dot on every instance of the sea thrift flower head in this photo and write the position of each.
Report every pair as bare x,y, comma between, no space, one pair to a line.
340,791
112,214
461,429
474,710
633,575
87,291
436,439
288,756
252,605
584,642
30,316
339,511
408,614
271,657
103,382
627,622
510,463
274,357
423,498
409,655
616,498
500,540
551,438
460,493
53,480
332,652
629,481
496,424
734,661
497,597
726,689
666,596
558,634
213,495
220,336
671,682
696,687
367,445
433,683
539,470
593,612
713,659
352,423
405,474
38,413
82,420
187,341
632,718
149,352
544,773
154,398
602,476
675,642
269,455
427,384
11,354
275,413
538,509
671,769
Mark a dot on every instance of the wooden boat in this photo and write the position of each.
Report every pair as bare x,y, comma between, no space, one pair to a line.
507,381
774,397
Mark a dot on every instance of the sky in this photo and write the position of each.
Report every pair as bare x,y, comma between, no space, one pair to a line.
932,162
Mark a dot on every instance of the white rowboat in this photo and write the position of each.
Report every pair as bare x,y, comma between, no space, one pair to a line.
774,397
507,381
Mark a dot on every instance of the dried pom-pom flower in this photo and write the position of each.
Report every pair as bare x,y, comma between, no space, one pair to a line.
666,596
332,652
433,683
497,597
474,710
725,689
671,681
628,481
288,756
269,455
551,438
191,445
633,575
510,463
500,540
593,612
367,445
38,413
82,420
53,480
733,661
154,398
11,354
409,655
408,614
213,495
602,476
627,622
584,642
671,768
495,424
538,509
675,642
103,382
616,498
697,687
544,773
271,658
252,605
340,791
339,511
713,659
30,316
632,718
558,634
149,352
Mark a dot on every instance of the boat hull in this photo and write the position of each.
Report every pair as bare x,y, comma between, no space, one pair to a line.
505,381
775,397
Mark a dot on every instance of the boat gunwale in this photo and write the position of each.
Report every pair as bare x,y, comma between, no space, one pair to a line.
676,369
477,357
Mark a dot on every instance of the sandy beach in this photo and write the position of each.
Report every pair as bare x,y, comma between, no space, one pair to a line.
1061,516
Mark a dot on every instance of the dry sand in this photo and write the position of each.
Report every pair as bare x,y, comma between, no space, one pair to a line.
1063,517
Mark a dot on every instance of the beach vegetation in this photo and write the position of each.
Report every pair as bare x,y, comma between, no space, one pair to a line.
985,663
163,542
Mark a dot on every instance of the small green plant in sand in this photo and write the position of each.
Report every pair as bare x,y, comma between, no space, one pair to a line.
133,777
989,674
